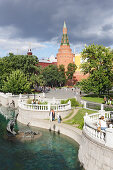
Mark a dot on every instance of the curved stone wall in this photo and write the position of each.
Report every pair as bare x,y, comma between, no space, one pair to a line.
28,115
67,130
6,100
93,155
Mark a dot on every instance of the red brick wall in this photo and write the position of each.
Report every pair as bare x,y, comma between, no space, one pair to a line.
43,64
64,56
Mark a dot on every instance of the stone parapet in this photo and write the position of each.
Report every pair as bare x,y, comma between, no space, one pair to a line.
67,130
95,155
28,114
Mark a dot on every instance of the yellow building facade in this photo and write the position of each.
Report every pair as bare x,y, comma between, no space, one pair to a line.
78,74
78,60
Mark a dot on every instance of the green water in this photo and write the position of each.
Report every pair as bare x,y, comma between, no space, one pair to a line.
51,151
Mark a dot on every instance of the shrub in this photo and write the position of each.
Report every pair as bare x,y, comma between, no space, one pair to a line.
74,103
108,108
29,101
43,103
64,101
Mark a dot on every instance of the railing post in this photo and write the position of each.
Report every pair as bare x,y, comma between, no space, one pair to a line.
48,106
84,104
109,137
85,117
102,106
69,102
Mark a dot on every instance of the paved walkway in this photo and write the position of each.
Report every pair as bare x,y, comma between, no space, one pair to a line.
75,112
64,93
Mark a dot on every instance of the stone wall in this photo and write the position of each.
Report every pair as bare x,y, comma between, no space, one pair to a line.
67,130
7,100
95,156
35,114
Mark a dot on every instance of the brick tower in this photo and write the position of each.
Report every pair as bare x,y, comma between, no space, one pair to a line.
64,55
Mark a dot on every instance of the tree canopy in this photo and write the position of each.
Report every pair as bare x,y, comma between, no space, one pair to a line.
98,64
26,63
61,75
16,83
50,74
70,70
12,65
54,76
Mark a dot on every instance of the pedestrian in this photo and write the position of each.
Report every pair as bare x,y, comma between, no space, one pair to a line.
80,93
110,100
105,99
59,118
53,113
51,116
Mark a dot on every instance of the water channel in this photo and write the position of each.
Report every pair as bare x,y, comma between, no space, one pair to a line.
51,151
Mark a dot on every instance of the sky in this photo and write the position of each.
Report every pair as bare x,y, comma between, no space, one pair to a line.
38,24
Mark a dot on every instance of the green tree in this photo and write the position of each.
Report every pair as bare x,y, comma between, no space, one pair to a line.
61,77
26,63
98,64
37,80
70,70
50,74
16,83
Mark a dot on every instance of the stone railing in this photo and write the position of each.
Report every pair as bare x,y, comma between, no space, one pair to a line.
46,107
90,128
95,106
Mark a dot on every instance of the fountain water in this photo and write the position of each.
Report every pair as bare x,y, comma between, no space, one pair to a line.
50,151
28,134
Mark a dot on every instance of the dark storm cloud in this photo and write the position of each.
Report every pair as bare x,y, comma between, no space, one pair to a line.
107,27
88,21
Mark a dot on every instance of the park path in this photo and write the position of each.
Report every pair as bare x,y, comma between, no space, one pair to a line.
75,112
64,93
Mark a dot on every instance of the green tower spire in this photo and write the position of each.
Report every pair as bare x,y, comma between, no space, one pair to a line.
65,25
64,40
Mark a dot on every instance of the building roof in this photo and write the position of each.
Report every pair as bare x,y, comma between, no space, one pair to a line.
44,61
52,59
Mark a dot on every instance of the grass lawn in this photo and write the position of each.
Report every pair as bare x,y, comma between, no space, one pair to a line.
78,118
93,99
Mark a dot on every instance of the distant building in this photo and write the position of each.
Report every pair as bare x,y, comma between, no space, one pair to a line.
29,52
64,55
46,62
78,75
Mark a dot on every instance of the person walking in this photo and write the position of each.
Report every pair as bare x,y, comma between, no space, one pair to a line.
59,118
51,116
110,100
53,113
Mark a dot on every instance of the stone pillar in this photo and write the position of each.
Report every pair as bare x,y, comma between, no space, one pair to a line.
69,102
102,106
20,96
84,104
109,137
48,106
86,117
102,112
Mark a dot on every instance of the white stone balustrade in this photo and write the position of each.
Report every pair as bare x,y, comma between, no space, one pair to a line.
42,107
90,128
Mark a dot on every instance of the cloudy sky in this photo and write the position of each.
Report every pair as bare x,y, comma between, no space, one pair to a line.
38,24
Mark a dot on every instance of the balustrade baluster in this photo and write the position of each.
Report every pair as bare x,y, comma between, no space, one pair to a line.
102,136
96,133
99,135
